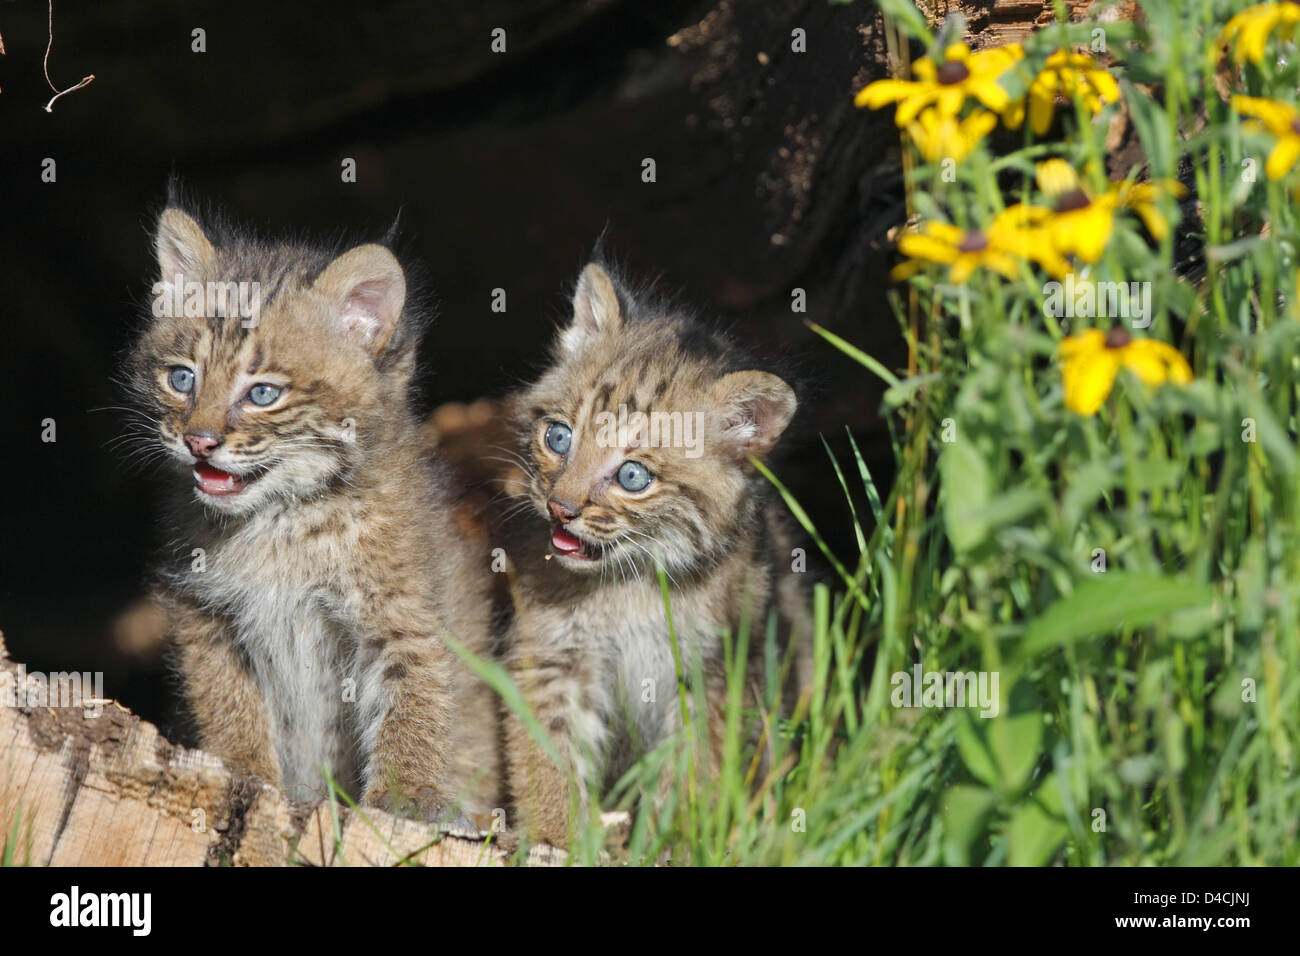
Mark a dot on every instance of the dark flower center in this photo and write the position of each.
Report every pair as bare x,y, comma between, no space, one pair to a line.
953,71
1072,201
1118,337
1295,125
973,242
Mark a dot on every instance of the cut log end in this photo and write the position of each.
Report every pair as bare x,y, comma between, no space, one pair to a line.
89,783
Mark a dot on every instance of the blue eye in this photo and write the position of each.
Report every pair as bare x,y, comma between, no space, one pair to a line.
181,379
559,438
263,394
633,476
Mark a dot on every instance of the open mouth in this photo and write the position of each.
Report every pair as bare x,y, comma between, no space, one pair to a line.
214,481
568,545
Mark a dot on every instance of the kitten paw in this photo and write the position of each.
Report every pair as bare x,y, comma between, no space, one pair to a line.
427,805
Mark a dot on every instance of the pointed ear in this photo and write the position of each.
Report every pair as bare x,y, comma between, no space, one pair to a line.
754,409
595,308
181,246
366,289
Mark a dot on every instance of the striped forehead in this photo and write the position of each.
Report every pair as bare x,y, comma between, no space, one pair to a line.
634,383
227,349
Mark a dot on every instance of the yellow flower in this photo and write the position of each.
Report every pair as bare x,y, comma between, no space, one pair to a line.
961,250
945,137
1280,119
1009,239
947,85
1249,30
1081,223
1030,229
1143,199
1063,74
1091,360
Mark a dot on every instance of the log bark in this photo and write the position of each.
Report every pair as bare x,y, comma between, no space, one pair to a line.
78,789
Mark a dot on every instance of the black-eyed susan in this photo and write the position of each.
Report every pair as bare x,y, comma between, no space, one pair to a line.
946,85
1081,222
1064,74
1144,200
1000,247
1283,121
1248,32
940,137
1027,229
1091,360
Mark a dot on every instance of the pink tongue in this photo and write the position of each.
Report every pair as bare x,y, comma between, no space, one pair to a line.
564,541
214,481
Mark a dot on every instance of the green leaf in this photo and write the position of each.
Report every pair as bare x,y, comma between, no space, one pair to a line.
964,811
1089,483
873,494
967,487
902,393
1033,835
1109,602
1017,740
855,353
1152,127
904,14
1273,439
1012,507
975,752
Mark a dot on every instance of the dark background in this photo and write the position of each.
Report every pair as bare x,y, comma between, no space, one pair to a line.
506,168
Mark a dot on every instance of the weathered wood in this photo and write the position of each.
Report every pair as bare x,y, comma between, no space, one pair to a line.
78,789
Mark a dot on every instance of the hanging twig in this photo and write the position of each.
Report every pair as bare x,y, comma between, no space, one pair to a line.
85,80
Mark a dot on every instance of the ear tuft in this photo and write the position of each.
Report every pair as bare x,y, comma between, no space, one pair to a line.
181,247
754,408
595,308
366,289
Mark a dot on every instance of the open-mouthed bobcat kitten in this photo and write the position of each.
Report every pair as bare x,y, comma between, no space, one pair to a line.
312,570
636,444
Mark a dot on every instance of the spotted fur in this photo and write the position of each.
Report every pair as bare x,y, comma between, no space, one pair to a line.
589,644
309,610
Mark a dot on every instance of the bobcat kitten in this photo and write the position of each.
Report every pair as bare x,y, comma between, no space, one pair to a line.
313,568
674,487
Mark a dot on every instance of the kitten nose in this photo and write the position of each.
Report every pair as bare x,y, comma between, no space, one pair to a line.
201,444
560,510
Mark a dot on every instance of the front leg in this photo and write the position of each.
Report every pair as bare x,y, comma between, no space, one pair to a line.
220,690
707,737
558,691
406,695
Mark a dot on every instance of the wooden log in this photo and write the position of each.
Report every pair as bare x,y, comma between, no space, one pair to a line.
90,784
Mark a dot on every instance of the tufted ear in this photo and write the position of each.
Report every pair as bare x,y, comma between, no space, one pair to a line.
181,247
366,289
754,408
595,309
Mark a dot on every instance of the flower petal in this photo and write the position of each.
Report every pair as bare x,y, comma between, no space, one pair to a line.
877,94
1155,362
1283,158
1075,346
1088,379
962,268
1042,103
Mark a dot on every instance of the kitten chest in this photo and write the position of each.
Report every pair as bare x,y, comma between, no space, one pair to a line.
303,654
636,690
